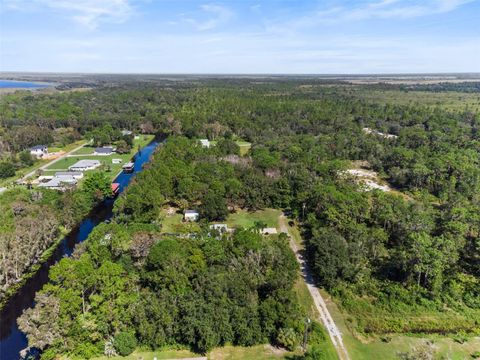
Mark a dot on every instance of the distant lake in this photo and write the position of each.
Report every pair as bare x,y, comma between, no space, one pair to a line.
6,84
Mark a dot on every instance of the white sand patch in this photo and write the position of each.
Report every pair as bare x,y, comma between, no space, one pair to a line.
378,133
368,178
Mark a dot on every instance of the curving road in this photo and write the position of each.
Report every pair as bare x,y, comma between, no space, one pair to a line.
322,309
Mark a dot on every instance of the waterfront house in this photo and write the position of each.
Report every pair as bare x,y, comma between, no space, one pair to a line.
84,165
59,183
69,175
103,151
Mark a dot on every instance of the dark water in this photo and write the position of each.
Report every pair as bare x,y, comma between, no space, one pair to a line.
8,84
12,340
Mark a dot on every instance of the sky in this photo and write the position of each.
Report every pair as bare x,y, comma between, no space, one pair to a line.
240,36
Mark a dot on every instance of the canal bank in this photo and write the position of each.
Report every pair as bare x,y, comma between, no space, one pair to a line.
12,340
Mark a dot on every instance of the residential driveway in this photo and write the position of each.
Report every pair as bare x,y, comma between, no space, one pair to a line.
322,309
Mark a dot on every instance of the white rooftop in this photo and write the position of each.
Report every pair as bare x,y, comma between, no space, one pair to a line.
85,163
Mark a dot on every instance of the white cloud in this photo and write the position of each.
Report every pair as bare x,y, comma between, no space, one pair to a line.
241,53
88,13
216,15
383,9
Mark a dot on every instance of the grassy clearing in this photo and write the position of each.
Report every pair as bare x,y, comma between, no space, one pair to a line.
174,224
388,348
86,150
54,149
149,355
246,219
258,352
244,147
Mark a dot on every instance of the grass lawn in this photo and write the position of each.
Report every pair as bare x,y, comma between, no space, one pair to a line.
244,146
246,219
86,150
54,149
258,352
175,224
149,355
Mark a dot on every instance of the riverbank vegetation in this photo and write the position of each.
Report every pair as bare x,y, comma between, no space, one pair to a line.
31,221
395,264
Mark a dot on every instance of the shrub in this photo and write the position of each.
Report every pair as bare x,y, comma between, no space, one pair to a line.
6,170
287,338
125,343
317,334
316,353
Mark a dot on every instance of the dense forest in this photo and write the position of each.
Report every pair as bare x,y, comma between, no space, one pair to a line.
387,257
32,220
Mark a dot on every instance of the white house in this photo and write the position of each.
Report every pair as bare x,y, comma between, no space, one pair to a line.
58,183
191,215
84,165
126,133
116,161
69,175
103,151
205,143
39,151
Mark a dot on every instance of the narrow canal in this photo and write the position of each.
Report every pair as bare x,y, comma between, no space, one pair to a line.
12,340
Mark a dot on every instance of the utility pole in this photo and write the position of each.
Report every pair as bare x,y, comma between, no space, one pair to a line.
305,334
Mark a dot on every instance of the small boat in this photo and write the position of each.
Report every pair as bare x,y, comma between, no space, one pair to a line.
115,189
128,167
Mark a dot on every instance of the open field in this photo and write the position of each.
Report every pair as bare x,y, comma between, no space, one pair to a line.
390,346
245,219
454,101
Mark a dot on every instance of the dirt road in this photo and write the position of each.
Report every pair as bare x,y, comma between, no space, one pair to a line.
322,309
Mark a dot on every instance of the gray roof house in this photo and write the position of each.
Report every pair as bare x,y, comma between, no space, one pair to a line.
103,151
58,183
69,174
84,165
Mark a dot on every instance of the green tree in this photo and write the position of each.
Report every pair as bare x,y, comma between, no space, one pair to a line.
125,342
97,186
6,170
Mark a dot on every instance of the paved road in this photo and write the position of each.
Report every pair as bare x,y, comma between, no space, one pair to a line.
43,167
322,309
